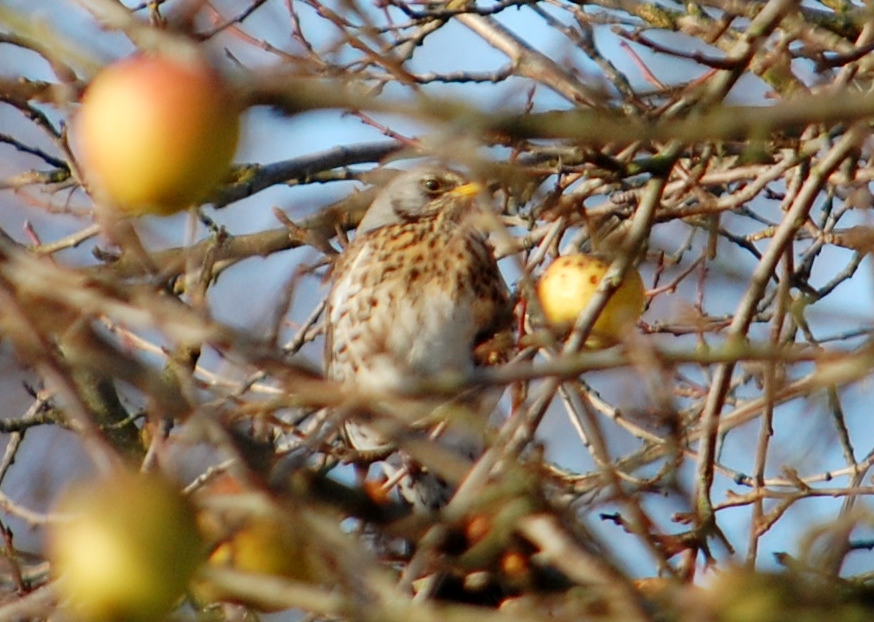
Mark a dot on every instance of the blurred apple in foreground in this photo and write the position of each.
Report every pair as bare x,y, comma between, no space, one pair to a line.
155,134
264,544
258,535
569,284
128,550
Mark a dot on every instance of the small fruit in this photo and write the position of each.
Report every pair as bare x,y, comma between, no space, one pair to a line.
128,550
514,564
569,284
478,528
155,134
256,535
264,545
267,544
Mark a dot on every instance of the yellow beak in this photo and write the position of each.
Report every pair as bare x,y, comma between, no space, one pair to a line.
469,189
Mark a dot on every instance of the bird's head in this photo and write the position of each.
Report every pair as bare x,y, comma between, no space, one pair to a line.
417,194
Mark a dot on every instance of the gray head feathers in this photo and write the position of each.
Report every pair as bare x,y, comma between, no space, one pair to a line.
410,196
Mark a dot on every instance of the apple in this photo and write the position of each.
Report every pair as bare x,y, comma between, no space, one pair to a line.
569,284
155,134
267,544
264,544
254,534
127,551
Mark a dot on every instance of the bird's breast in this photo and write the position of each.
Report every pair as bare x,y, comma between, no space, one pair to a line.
407,303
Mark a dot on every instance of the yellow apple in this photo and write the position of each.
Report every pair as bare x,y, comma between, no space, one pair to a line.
266,545
268,542
256,534
569,284
155,134
128,550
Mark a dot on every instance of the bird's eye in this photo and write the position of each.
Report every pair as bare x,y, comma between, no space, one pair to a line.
433,185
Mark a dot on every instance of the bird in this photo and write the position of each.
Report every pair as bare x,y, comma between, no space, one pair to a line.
416,294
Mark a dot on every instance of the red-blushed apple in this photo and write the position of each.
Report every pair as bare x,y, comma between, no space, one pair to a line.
569,284
155,134
128,550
